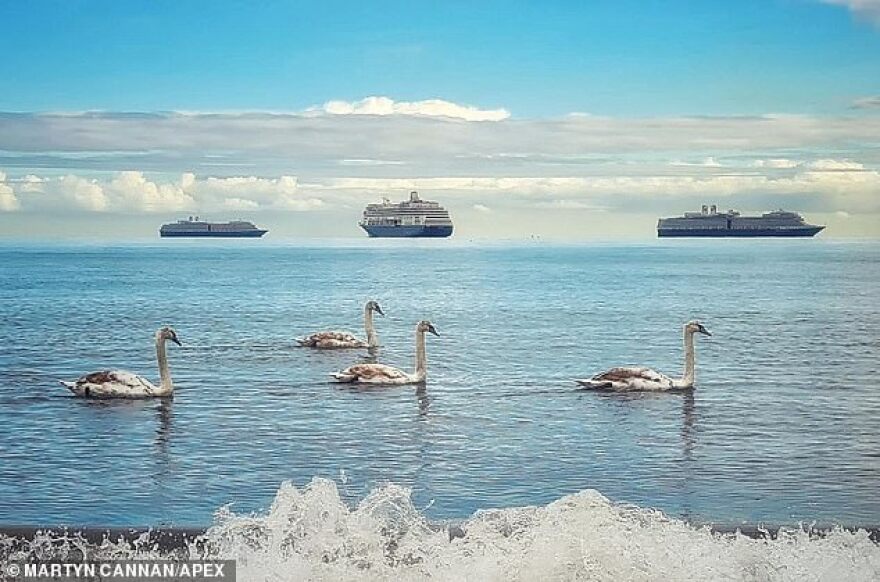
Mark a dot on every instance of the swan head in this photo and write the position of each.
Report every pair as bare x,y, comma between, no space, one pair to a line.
374,306
696,327
168,334
426,326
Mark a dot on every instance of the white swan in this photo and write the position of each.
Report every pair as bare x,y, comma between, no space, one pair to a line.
328,340
121,384
382,374
646,379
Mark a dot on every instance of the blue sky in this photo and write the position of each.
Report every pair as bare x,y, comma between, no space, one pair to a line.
611,112
536,59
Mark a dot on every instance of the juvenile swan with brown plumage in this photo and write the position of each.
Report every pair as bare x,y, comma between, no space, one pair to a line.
329,340
382,374
647,380
121,384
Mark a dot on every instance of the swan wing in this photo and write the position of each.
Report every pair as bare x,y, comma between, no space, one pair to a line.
112,384
330,339
624,374
330,344
632,379
372,374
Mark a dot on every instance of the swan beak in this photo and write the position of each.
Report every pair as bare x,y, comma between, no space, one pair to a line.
175,340
434,331
705,332
379,310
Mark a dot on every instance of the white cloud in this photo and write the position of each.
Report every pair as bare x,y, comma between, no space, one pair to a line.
867,102
482,208
139,193
253,193
426,108
708,162
866,9
365,162
132,192
8,200
829,165
87,194
776,163
240,204
564,204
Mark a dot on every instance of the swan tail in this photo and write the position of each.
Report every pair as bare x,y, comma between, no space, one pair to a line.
69,385
303,342
340,377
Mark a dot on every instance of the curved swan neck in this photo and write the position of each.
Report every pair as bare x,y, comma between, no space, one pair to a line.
372,337
421,356
164,373
689,363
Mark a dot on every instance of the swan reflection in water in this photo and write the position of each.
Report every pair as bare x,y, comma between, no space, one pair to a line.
623,407
164,420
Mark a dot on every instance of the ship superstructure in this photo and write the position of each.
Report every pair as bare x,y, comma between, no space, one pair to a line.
193,226
711,223
411,218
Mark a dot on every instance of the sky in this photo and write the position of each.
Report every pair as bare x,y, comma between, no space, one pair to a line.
570,120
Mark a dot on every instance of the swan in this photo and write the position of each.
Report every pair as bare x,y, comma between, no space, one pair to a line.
342,339
382,374
121,384
646,379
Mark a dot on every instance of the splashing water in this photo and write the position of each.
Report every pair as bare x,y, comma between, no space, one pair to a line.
310,533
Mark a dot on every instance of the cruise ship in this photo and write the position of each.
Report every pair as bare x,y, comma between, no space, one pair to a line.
411,218
710,222
195,227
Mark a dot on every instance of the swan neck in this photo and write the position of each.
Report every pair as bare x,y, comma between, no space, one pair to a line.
372,338
164,373
421,356
689,360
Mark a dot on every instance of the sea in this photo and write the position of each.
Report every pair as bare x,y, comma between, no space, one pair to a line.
498,468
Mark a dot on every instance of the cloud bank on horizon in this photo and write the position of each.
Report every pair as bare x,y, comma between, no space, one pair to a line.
344,154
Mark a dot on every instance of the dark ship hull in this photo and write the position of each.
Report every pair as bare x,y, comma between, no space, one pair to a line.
805,231
213,234
407,231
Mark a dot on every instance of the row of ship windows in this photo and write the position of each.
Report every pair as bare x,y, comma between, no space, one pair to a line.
409,213
407,220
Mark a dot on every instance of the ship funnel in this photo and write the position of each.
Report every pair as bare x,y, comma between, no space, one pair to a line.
705,209
714,209
414,196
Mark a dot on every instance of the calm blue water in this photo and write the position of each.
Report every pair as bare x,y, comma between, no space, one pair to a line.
784,424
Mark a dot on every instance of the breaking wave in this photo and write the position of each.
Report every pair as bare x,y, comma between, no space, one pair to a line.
310,533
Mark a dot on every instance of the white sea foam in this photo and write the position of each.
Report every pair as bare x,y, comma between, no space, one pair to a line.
310,533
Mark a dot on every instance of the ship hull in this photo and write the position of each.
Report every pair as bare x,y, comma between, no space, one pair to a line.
415,231
806,231
209,234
